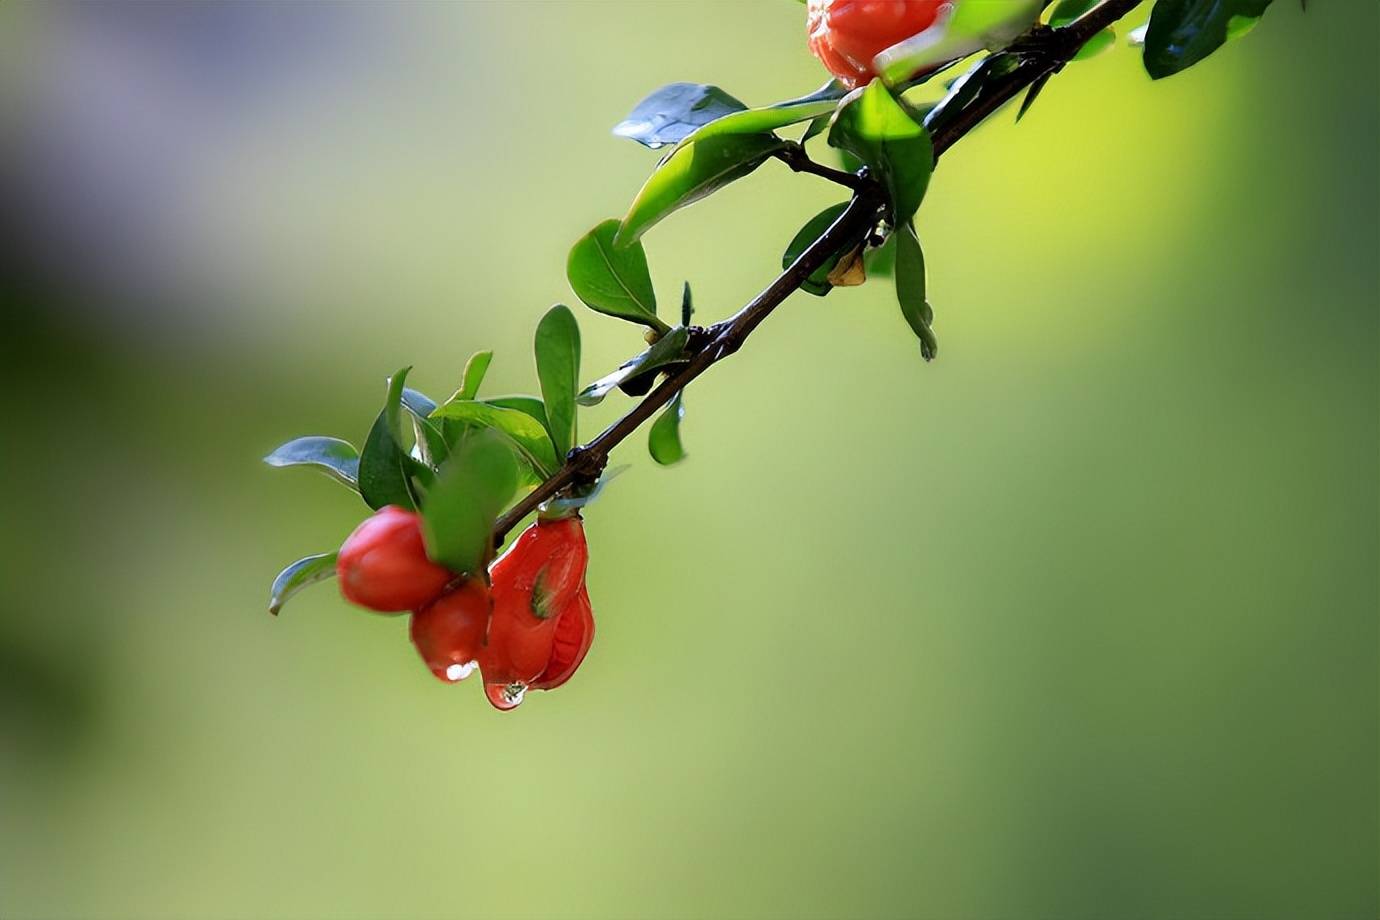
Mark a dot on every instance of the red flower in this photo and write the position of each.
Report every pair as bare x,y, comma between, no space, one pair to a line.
383,565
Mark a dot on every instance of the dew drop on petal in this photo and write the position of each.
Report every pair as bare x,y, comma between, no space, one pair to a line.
457,672
505,696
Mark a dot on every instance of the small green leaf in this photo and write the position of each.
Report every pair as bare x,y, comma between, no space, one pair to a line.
672,112
663,440
525,432
613,279
294,578
693,171
1100,42
1066,11
382,469
558,369
910,290
473,376
770,117
1183,32
669,348
337,458
874,127
472,488
818,283
817,126
687,305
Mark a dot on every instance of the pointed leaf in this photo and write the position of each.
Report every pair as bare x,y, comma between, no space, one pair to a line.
818,282
392,406
558,369
910,290
687,305
669,348
303,572
878,130
337,458
692,172
663,441
670,113
613,279
382,469
522,430
770,117
470,491
1183,32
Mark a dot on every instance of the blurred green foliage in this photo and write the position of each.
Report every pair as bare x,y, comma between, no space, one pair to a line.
1078,620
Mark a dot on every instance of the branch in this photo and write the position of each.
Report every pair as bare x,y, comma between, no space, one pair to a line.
1043,51
794,156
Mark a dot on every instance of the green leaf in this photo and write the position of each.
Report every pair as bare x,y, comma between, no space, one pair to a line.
383,469
558,369
663,441
691,172
1100,42
613,279
770,117
337,458
472,488
814,228
687,305
473,376
910,290
881,260
671,113
1183,32
817,126
525,433
294,578
530,405
1066,11
419,404
669,348
874,127
431,441
392,406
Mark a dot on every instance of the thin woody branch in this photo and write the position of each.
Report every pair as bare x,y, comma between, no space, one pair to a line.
1043,52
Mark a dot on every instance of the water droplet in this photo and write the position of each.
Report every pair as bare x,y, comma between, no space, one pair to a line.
505,696
457,672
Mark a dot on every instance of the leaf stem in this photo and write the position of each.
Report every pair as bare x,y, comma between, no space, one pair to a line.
1043,51
794,156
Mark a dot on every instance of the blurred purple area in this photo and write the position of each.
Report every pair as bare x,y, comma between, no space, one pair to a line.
130,121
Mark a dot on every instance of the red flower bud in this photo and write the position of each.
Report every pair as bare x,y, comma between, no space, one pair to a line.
847,34
449,633
383,565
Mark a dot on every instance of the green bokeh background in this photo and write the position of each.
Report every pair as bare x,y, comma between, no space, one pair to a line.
1077,621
